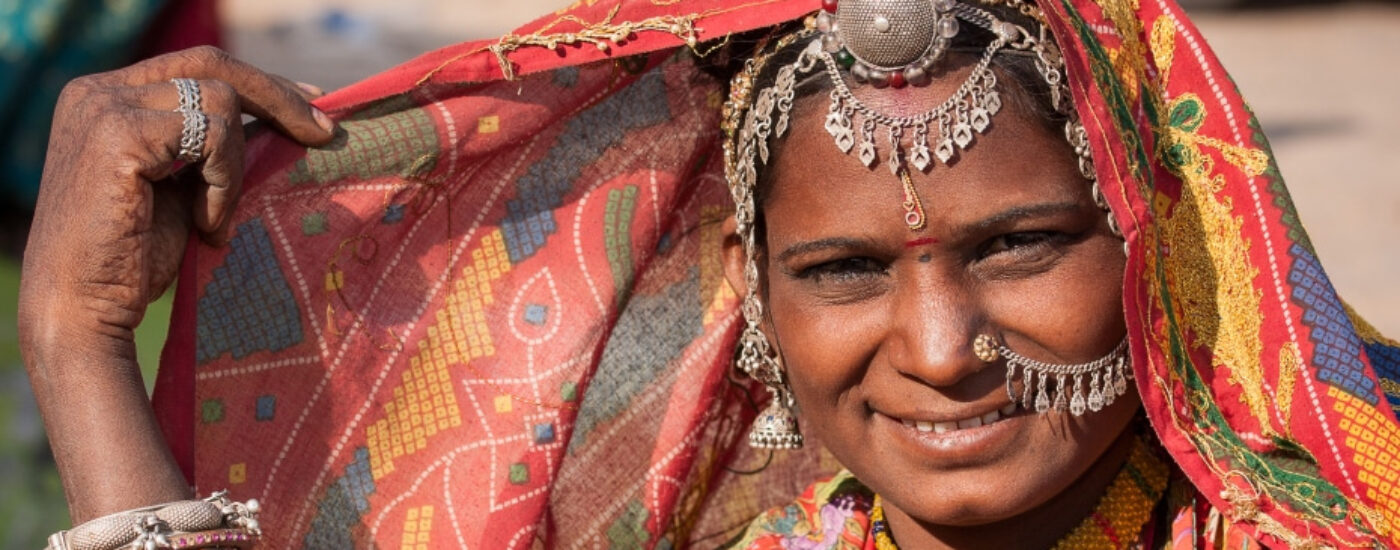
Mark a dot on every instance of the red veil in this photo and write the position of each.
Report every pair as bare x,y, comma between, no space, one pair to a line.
492,312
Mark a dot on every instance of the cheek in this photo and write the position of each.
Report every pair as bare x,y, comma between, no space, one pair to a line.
825,348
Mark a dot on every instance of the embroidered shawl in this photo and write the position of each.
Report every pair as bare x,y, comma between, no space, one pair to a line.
492,313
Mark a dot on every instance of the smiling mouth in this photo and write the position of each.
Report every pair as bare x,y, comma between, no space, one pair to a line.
963,424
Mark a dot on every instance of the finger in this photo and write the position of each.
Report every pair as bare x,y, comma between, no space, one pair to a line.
211,140
222,174
221,164
260,94
308,91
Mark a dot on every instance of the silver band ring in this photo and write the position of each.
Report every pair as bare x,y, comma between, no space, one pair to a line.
192,136
190,99
196,127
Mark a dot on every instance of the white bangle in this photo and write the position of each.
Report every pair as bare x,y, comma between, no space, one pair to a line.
214,522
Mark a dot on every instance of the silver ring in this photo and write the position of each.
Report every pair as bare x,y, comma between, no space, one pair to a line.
190,99
192,136
196,127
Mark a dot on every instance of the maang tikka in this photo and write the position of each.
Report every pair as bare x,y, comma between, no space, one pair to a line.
882,43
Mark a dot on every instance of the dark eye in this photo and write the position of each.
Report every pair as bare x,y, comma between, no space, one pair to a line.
1026,242
843,270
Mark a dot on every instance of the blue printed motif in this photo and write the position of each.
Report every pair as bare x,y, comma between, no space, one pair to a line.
544,434
1386,360
247,306
266,408
530,215
536,314
1336,347
652,331
345,502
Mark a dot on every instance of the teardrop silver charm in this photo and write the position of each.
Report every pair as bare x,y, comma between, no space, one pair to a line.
839,126
867,153
920,156
944,151
962,134
992,102
980,119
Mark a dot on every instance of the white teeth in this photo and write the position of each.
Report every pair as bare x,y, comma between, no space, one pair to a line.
974,422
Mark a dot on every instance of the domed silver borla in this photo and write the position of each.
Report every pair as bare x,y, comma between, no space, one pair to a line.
892,38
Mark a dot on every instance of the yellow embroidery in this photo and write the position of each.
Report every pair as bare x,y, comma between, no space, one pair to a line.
1181,119
1163,48
1209,271
1125,508
1290,361
1129,60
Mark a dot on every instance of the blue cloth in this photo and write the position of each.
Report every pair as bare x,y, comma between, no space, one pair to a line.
43,45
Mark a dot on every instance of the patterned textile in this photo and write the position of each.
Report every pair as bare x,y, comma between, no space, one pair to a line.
840,513
492,312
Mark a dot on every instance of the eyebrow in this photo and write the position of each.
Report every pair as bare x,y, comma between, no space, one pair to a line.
1001,218
1019,213
821,244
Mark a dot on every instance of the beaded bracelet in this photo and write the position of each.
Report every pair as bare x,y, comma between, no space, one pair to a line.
212,523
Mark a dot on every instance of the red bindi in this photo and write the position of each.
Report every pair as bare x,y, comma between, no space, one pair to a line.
920,242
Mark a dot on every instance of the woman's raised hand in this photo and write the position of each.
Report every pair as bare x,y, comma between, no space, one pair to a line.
109,230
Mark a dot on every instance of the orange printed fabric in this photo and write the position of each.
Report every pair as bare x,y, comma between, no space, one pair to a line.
491,313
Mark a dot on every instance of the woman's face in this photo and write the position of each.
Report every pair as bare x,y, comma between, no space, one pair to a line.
875,322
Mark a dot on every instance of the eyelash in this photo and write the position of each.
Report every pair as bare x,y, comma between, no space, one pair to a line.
844,269
1028,240
860,267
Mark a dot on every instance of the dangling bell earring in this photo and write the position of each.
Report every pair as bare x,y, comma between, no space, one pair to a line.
775,427
1108,378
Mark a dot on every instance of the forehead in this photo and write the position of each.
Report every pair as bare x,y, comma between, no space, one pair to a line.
1017,161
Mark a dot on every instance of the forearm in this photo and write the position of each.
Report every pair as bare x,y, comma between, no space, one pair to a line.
109,449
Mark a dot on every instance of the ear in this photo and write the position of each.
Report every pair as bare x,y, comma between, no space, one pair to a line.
732,249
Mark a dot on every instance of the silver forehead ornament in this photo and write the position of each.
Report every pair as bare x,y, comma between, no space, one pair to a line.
894,43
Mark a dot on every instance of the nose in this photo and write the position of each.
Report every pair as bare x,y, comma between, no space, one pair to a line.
931,332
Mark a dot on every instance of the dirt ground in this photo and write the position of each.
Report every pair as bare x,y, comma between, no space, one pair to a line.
1317,76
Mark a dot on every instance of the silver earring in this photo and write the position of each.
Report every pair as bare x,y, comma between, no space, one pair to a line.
775,427
1107,378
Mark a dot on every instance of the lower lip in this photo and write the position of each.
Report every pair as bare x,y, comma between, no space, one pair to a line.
965,446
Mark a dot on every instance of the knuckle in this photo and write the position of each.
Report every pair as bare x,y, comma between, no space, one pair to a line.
76,90
220,93
209,54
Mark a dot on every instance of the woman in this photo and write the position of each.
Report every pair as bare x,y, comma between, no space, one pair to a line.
417,333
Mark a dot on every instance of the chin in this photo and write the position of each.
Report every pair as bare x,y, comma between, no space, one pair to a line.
1037,467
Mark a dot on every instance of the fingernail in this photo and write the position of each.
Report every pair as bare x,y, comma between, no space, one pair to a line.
311,89
323,120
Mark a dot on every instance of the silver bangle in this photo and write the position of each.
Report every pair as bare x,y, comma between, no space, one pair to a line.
214,522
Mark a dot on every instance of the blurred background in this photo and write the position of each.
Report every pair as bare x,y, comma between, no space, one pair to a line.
1320,75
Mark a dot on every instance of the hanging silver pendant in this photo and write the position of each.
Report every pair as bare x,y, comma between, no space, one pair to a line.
1107,379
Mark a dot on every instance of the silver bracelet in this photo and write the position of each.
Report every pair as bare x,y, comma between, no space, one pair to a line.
214,522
